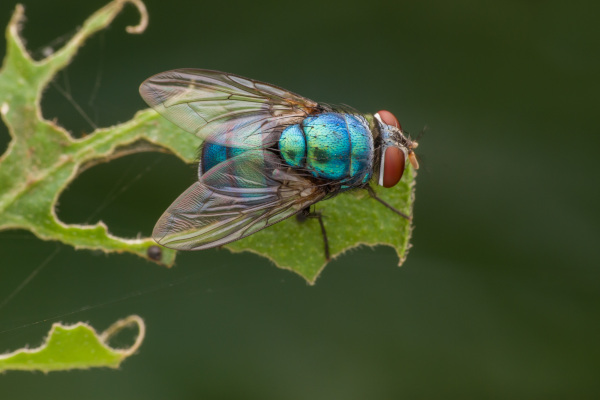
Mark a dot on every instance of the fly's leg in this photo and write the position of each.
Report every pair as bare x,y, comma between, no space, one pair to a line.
374,195
304,215
284,183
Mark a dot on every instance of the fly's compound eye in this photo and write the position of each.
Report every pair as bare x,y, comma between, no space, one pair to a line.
389,119
392,166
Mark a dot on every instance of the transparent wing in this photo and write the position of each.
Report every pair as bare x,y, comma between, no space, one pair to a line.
224,108
235,199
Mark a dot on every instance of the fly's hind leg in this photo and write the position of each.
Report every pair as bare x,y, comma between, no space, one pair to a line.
374,195
304,215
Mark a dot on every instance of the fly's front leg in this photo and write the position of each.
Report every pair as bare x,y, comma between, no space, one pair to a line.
374,195
304,215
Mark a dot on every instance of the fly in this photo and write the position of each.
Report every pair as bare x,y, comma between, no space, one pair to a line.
267,154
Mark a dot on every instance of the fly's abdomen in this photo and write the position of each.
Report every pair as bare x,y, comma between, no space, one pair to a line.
328,146
247,177
331,146
213,154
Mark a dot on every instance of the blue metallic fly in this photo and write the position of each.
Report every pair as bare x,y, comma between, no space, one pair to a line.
267,154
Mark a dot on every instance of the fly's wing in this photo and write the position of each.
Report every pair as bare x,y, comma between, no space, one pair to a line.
234,199
224,108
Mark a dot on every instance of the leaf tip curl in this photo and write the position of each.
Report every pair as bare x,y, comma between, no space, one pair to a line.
76,346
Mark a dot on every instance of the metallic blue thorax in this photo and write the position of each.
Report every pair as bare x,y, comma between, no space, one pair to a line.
331,146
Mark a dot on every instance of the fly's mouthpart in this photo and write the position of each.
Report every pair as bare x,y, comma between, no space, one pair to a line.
413,159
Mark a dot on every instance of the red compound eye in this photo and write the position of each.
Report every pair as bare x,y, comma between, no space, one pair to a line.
392,166
389,118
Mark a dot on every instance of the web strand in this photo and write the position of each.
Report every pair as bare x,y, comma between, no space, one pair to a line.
30,277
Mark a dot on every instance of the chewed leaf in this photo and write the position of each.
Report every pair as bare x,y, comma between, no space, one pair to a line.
76,346
351,220
43,159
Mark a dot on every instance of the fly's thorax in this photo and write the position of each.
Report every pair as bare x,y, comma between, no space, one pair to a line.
292,145
394,149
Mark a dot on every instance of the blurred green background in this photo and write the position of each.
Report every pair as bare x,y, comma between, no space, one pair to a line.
499,296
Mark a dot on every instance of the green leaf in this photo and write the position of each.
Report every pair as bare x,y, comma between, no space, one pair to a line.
351,220
77,346
42,159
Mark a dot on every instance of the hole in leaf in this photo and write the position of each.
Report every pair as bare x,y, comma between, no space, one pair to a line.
128,194
95,89
124,337
4,137
40,35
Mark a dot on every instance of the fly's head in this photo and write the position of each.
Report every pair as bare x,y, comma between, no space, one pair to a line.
396,149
